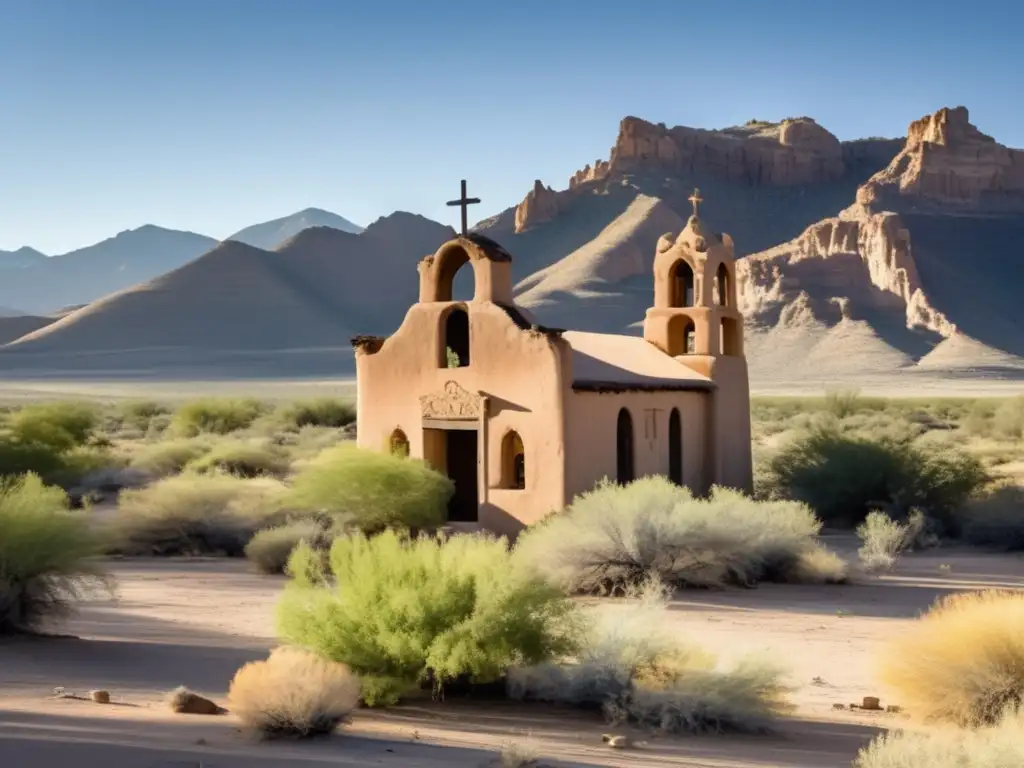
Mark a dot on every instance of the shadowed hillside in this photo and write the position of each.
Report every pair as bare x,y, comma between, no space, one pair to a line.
271,234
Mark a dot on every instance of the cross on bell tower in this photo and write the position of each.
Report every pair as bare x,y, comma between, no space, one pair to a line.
696,199
464,202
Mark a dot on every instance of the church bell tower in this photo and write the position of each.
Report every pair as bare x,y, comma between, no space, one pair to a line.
695,319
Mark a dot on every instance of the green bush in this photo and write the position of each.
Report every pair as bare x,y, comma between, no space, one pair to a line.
998,746
403,612
242,459
59,426
883,539
140,414
195,515
169,457
20,458
374,490
320,412
634,665
616,536
216,416
843,477
45,555
270,549
995,519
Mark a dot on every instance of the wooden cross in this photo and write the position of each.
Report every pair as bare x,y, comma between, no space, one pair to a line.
696,199
464,202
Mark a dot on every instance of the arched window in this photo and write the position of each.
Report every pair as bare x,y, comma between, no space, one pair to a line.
453,282
513,461
675,447
398,443
455,339
722,286
681,280
731,337
682,336
624,448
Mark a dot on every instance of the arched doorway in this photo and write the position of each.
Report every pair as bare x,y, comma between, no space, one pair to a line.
682,284
675,447
625,469
453,282
455,339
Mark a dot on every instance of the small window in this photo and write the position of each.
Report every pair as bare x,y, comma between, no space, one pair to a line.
398,443
722,286
675,447
513,461
625,469
455,339
731,337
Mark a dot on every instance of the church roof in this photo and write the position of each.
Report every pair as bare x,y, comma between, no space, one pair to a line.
608,362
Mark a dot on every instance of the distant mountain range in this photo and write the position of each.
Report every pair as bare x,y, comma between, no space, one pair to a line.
33,283
862,261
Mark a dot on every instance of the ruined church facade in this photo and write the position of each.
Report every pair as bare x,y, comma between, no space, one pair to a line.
523,418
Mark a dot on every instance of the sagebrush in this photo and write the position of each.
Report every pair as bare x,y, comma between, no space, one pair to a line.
195,515
374,490
270,549
634,666
883,539
403,612
243,459
169,457
995,518
293,694
616,536
220,416
46,555
319,412
963,661
997,746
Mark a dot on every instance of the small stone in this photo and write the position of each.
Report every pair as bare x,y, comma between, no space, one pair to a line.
620,742
100,697
185,702
839,706
894,709
871,702
201,742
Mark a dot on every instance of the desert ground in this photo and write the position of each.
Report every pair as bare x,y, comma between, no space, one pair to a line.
195,621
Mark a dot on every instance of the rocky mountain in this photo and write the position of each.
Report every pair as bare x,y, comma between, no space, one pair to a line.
89,273
23,257
271,234
238,307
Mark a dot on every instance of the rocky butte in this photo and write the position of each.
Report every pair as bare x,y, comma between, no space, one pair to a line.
796,151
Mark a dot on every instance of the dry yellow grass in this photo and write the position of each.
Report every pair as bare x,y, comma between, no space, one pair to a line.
294,693
963,662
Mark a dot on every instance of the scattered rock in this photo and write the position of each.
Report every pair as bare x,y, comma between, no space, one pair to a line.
818,681
185,702
894,709
617,742
840,706
871,703
100,697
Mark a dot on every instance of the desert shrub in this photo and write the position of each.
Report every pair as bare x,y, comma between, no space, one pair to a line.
320,412
59,426
294,693
615,536
999,746
219,416
140,414
270,548
842,403
883,539
169,457
195,515
995,519
406,611
963,661
843,476
20,458
242,459
45,555
376,490
1008,419
636,668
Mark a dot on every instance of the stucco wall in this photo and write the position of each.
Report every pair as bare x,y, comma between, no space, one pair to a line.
519,372
592,420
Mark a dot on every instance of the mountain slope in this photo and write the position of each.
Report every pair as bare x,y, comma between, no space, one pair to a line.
23,257
271,234
88,273
310,296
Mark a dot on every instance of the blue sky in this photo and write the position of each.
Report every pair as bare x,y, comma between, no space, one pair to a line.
209,115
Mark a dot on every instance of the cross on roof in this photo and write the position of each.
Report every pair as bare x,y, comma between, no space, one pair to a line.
696,199
464,202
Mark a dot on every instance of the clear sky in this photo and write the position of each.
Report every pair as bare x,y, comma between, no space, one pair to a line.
210,115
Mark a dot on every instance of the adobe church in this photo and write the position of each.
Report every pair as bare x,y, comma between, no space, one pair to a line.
523,418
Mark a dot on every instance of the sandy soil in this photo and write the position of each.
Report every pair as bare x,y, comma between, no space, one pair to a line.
194,622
